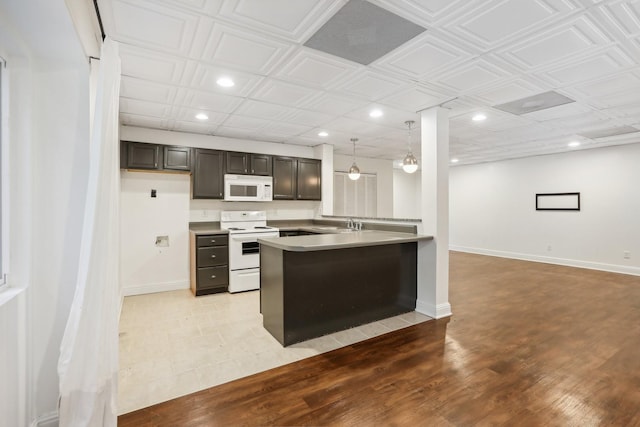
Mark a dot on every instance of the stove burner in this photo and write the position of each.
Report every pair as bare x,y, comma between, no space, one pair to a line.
235,228
262,227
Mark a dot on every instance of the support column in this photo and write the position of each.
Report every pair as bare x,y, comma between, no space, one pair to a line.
433,256
325,153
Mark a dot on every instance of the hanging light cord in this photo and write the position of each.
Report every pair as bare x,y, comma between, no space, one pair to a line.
409,123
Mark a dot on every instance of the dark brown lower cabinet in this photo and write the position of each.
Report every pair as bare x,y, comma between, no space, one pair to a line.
209,264
304,295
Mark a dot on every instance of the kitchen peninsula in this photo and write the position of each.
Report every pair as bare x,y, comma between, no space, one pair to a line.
318,284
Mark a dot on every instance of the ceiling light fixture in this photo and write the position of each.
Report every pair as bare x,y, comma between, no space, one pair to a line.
225,82
376,113
410,163
323,134
574,144
479,117
354,170
202,116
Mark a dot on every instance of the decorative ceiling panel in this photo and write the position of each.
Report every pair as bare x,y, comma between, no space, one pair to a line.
310,68
370,85
415,98
280,92
423,56
244,50
205,77
149,65
165,29
472,76
497,21
301,17
558,44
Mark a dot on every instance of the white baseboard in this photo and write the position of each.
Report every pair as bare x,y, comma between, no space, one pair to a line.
151,288
436,311
46,420
613,268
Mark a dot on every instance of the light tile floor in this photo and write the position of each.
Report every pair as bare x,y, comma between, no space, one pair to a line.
172,343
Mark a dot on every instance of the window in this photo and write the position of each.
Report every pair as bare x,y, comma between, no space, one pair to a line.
4,177
355,198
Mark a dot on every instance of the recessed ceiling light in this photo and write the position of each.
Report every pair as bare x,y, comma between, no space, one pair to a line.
376,113
323,134
225,82
454,160
574,144
479,117
202,116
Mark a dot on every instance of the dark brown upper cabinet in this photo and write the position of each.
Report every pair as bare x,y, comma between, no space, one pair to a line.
309,179
177,158
284,178
142,156
248,163
237,163
261,164
208,174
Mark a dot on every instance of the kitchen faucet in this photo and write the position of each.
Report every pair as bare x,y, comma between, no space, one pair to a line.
350,224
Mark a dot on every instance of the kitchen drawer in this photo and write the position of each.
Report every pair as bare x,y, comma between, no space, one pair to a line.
216,255
213,277
212,240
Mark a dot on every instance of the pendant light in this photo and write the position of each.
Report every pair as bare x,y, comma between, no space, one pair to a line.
410,163
354,170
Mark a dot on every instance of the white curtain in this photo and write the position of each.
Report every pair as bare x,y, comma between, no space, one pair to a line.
88,364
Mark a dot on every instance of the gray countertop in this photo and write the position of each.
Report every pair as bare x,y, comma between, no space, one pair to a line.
337,240
199,228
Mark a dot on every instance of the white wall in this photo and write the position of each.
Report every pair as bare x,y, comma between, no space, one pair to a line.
49,129
493,208
382,168
144,266
407,194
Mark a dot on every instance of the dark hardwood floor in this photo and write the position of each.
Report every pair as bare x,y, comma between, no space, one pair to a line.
529,344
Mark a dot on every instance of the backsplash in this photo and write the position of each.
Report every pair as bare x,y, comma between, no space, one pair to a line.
209,210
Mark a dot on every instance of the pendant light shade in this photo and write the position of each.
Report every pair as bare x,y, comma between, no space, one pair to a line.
410,163
354,170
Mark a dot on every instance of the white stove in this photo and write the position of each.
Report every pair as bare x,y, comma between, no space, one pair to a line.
245,227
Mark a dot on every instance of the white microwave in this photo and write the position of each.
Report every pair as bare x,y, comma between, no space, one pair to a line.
248,188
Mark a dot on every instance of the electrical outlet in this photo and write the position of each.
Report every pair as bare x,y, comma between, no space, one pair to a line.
162,241
549,248
626,255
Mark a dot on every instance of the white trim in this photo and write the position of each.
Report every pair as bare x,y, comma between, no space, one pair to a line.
4,170
437,312
151,288
612,268
47,420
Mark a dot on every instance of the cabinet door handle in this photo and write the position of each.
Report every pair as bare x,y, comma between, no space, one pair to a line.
213,240
220,194
253,171
213,277
213,256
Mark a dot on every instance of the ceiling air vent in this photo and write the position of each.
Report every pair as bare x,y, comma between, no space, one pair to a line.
542,101
604,133
363,32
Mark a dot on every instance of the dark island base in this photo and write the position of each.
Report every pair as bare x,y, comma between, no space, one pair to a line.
306,295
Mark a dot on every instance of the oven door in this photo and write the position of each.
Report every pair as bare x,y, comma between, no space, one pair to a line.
244,249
